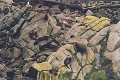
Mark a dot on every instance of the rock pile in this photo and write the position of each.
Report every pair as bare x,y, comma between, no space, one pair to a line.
53,39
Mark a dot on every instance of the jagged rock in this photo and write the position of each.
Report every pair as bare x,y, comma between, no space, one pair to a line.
54,10
41,59
8,1
99,36
3,79
97,57
44,66
116,66
57,59
84,71
114,55
113,41
72,31
27,53
88,34
2,67
87,57
89,13
19,77
9,22
75,68
27,66
94,23
11,53
114,38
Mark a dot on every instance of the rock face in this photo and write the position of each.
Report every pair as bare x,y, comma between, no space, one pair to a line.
113,50
77,59
47,41
99,36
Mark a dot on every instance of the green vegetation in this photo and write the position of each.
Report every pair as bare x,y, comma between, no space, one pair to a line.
100,75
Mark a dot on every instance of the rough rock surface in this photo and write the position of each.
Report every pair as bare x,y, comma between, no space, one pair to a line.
63,38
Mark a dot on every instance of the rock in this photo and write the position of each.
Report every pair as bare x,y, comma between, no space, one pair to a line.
2,67
8,1
27,53
19,77
72,31
87,57
99,36
44,66
10,21
3,79
97,57
75,68
94,23
17,72
64,70
32,72
84,71
27,66
4,71
11,53
114,56
113,41
88,34
116,66
89,13
114,37
16,63
41,59
54,10
28,59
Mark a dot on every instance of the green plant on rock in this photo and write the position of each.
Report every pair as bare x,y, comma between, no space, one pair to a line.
63,77
100,75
